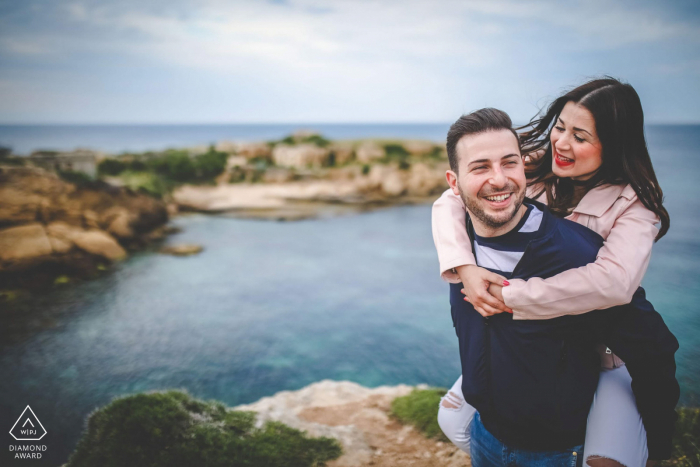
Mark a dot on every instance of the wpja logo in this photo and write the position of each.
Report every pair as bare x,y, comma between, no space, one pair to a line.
28,428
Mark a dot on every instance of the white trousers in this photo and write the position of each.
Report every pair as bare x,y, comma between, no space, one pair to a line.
614,431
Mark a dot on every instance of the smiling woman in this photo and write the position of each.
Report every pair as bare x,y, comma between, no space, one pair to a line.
577,149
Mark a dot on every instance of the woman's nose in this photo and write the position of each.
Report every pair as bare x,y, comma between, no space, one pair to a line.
562,144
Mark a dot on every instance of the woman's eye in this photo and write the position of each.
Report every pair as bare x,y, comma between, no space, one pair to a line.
560,129
580,140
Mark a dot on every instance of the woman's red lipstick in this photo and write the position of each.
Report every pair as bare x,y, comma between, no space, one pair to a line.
562,162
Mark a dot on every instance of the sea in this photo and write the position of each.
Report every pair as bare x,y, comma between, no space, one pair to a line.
271,306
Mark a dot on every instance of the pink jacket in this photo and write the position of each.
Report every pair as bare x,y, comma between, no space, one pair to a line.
613,211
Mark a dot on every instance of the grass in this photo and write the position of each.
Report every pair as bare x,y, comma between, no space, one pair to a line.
686,439
420,409
172,429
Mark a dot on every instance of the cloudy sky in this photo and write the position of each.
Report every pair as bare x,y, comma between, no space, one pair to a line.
210,61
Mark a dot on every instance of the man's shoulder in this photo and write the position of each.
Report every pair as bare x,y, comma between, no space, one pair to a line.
553,224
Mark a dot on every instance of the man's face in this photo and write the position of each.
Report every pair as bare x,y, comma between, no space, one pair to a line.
491,179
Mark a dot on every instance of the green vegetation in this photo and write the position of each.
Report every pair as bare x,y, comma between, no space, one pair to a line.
420,409
397,153
77,178
172,429
686,439
158,173
318,140
147,182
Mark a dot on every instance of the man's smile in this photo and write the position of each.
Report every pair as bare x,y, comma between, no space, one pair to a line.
498,200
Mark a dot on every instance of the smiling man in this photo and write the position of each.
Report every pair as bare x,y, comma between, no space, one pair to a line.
531,382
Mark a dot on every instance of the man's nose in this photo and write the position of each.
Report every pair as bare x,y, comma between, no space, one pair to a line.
498,178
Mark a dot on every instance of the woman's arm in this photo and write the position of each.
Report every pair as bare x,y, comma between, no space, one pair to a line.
610,281
454,251
450,235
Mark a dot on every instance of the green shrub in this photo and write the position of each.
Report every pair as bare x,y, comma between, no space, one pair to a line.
686,439
77,178
111,166
174,164
171,429
420,409
210,164
397,153
318,140
146,182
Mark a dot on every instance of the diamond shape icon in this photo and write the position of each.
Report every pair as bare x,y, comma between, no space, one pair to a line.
28,427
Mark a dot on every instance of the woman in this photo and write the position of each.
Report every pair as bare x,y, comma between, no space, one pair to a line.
592,166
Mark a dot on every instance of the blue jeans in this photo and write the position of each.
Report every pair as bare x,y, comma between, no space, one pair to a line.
487,451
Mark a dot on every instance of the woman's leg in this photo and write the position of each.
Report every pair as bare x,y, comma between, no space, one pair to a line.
615,434
455,416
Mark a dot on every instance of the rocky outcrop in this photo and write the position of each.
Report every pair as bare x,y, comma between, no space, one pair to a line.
47,221
369,152
300,155
384,184
359,418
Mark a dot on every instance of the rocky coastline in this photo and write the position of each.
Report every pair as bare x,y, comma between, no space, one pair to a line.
65,215
359,418
52,229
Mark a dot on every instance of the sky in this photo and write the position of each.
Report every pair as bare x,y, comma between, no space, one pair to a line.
289,61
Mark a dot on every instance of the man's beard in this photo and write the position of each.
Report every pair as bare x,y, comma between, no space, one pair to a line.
476,210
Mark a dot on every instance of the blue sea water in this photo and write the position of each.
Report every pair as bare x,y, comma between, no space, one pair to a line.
271,306
114,139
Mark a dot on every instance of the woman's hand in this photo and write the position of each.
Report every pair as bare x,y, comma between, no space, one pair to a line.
476,282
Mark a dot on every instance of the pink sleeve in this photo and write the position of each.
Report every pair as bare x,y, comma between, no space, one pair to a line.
450,235
611,280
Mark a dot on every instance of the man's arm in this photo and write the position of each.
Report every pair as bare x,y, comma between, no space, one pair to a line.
638,335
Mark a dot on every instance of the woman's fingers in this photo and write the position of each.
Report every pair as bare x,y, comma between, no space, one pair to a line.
486,298
494,278
487,310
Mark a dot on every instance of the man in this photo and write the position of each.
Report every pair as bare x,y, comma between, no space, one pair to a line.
532,382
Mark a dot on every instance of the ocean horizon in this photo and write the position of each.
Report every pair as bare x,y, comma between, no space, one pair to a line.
119,138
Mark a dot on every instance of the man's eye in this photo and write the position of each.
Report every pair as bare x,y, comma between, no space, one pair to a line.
481,167
512,163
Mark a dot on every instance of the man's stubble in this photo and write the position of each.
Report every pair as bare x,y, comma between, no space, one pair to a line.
489,221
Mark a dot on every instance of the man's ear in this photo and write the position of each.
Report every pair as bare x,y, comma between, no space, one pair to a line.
452,181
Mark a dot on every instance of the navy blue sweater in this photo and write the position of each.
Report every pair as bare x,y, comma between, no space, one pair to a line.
533,381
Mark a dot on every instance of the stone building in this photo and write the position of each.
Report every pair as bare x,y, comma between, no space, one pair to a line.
80,160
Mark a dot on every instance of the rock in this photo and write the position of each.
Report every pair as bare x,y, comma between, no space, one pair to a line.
369,152
253,150
118,221
424,181
24,242
393,184
342,152
359,418
300,156
100,243
418,148
182,250
277,175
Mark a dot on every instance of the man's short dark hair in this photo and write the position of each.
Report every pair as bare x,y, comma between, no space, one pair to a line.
480,121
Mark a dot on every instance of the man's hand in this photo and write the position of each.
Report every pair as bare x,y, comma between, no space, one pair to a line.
476,282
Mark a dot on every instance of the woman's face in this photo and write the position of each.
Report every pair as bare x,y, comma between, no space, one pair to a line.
576,149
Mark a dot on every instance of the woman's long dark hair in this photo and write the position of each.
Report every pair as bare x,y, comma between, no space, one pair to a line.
619,122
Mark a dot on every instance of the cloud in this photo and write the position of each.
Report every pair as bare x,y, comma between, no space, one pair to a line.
341,57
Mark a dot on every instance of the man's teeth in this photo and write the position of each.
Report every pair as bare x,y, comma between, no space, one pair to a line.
498,198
